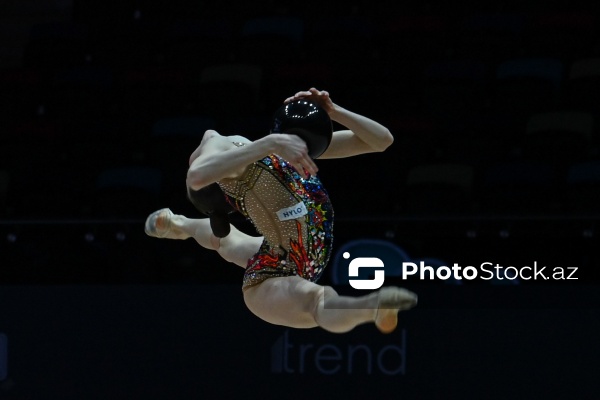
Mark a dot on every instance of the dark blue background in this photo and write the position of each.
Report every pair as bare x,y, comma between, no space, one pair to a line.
101,104
182,341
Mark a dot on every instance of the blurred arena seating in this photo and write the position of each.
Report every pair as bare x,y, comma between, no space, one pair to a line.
494,109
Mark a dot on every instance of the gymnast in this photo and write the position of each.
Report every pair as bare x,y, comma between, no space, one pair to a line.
273,182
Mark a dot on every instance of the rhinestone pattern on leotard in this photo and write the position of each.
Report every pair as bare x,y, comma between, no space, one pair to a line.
300,246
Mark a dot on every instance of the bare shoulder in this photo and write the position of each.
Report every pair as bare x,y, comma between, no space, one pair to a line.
214,141
221,141
238,138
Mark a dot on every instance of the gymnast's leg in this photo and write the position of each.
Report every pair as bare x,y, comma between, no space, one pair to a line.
295,302
289,301
237,247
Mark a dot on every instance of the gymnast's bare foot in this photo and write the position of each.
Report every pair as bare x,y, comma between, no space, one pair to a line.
392,300
163,224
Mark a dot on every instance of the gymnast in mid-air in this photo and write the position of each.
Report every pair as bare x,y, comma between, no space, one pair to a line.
273,182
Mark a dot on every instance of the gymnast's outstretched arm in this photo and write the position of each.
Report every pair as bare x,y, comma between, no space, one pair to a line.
217,158
362,136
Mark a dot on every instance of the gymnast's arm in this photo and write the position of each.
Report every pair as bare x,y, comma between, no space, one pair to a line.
362,136
216,158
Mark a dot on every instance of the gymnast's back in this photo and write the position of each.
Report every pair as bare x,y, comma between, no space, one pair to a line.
284,207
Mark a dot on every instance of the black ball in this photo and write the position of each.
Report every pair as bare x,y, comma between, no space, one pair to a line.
210,200
307,120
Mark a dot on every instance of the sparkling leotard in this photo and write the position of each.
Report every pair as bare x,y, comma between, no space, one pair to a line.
293,214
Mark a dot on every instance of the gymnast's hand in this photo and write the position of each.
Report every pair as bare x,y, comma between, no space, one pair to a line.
320,97
294,150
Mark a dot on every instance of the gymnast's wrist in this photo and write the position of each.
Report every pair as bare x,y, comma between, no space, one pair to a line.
336,113
272,142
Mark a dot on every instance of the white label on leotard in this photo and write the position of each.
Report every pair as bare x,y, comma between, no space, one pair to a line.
292,212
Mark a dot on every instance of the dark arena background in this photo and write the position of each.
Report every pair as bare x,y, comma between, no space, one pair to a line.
495,110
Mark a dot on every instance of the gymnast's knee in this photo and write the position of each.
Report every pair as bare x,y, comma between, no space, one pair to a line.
320,296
